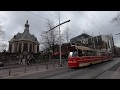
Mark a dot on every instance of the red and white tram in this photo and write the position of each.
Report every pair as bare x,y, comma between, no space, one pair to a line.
80,56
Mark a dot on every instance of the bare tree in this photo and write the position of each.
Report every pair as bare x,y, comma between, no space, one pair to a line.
116,19
49,39
4,46
2,33
66,35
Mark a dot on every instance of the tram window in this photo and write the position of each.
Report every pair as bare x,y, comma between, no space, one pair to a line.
70,54
79,52
73,54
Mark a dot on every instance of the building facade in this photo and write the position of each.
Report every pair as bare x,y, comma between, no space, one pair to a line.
24,42
100,43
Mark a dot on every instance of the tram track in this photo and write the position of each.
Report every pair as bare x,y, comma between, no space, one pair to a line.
57,74
79,73
113,68
67,74
96,71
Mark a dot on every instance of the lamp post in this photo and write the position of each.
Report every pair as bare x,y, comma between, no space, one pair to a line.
59,35
117,34
60,40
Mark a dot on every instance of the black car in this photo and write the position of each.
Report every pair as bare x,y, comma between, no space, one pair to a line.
1,64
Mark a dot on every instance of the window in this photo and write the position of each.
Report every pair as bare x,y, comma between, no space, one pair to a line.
73,54
79,52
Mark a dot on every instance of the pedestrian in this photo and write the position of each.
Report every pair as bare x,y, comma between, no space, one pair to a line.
33,59
20,59
28,59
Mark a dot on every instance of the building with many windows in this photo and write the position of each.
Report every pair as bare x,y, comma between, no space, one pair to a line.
100,43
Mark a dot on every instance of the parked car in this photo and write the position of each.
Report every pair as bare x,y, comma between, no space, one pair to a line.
1,64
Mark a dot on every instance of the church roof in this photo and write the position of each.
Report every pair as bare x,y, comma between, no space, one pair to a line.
24,36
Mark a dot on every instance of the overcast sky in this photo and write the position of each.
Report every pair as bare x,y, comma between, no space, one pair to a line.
90,22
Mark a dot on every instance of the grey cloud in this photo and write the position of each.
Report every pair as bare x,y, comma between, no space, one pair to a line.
14,21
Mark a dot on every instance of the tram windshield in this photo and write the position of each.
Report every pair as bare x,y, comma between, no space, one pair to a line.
73,54
81,53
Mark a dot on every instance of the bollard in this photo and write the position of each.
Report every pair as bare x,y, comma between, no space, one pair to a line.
65,64
45,62
25,69
53,65
46,66
37,68
9,72
61,65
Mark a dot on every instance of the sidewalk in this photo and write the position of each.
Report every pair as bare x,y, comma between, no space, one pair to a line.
17,65
116,75
41,68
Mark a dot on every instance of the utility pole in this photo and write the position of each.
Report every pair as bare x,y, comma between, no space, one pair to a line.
114,46
93,41
59,35
59,40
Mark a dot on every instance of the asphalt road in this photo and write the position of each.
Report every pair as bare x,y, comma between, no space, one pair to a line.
105,70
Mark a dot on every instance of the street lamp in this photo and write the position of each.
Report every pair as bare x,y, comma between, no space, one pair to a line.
117,34
59,40
59,35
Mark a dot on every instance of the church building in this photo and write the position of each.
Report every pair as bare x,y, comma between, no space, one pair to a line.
24,42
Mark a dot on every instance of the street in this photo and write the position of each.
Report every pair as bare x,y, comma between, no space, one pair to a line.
105,70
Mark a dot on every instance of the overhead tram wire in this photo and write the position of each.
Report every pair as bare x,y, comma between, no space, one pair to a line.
62,19
101,24
89,20
44,18
85,17
38,15
98,26
102,27
41,17
69,25
52,20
